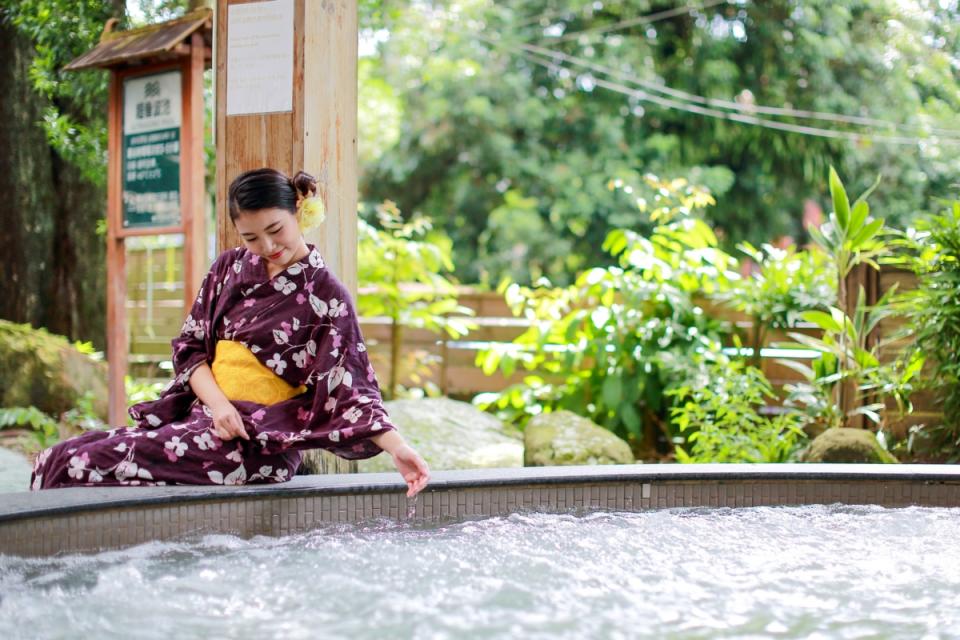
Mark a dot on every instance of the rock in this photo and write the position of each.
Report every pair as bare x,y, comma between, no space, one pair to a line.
14,471
450,435
564,438
46,371
847,445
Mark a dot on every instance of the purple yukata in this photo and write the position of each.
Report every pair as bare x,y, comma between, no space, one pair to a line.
302,326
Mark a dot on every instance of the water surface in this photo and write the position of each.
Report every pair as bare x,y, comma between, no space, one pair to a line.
764,572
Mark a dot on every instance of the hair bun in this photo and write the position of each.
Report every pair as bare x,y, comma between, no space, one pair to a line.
304,184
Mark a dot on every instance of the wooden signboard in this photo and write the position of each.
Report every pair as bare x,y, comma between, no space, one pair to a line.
155,167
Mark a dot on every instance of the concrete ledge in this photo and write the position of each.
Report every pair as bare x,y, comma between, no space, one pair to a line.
95,518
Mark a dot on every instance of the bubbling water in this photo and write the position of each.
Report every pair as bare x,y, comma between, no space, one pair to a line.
812,572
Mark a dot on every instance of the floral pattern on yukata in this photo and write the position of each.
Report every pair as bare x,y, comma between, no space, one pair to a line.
302,325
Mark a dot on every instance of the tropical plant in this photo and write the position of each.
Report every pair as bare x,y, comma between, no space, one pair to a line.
400,270
933,309
848,363
604,346
786,283
718,413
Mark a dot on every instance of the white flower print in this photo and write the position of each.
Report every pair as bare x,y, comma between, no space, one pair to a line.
266,470
76,467
41,458
277,363
204,441
315,260
337,308
237,266
296,324
122,447
352,414
255,349
330,405
319,306
300,359
176,446
238,476
282,475
295,269
280,337
311,347
376,426
338,375
94,476
153,420
361,347
235,455
284,286
334,436
125,469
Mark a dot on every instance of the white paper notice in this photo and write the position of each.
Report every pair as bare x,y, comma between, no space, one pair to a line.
260,57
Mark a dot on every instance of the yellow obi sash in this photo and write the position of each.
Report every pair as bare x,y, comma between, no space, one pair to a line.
242,377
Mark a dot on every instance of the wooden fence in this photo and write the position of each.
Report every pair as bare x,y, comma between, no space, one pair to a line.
155,311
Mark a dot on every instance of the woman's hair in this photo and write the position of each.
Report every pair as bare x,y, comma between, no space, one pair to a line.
268,189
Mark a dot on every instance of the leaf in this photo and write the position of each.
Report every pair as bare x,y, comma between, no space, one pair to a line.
612,390
841,204
823,320
630,417
867,233
859,215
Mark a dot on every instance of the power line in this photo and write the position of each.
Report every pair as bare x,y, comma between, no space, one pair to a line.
670,103
723,104
647,19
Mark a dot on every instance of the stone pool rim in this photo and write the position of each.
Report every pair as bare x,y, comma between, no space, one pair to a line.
32,504
92,519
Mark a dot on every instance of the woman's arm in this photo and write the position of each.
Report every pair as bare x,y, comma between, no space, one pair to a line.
226,418
410,465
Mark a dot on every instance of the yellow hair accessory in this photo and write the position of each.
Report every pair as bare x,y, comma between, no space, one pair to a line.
311,211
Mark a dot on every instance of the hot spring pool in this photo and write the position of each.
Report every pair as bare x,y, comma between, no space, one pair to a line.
815,571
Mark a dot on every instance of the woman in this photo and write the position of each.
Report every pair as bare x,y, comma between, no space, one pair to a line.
270,360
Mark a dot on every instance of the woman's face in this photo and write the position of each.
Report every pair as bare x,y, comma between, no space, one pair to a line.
272,234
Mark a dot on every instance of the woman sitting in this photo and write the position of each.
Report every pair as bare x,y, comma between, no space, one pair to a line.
270,361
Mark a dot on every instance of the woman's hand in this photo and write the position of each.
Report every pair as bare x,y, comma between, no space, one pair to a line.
412,467
408,462
227,423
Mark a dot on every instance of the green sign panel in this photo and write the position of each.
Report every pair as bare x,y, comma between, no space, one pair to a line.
151,150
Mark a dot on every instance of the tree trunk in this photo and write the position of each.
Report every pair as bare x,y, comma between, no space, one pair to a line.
25,182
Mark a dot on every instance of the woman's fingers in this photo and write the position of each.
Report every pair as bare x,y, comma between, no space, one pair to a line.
238,430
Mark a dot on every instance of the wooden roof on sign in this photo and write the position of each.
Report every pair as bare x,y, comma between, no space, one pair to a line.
152,43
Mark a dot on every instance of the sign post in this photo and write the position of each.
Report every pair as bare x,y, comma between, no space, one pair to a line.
155,166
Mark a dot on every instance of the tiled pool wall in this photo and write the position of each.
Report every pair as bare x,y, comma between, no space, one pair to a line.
93,519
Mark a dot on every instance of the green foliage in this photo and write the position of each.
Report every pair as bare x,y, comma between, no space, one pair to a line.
718,412
75,118
607,346
848,379
786,283
401,267
488,133
44,431
934,309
